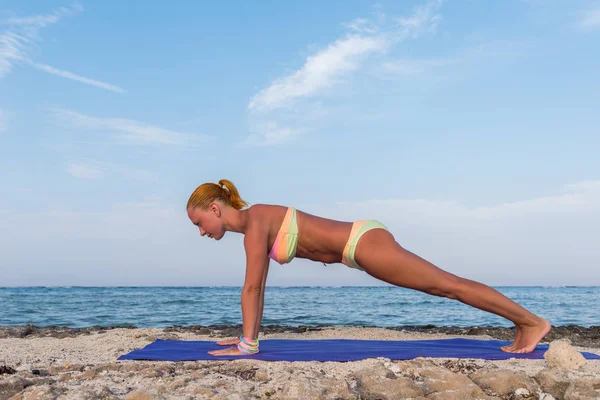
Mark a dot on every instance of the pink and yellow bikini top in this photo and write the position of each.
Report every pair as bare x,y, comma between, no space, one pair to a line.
286,242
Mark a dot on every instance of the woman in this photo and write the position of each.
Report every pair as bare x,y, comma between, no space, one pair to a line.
283,233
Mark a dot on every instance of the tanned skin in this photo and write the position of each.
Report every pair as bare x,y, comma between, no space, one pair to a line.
323,240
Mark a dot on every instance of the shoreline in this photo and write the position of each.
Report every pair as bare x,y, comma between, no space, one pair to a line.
76,363
576,334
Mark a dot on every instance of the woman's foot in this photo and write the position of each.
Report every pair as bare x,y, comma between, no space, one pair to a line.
229,342
528,337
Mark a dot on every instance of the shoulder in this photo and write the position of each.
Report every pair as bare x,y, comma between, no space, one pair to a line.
263,214
260,219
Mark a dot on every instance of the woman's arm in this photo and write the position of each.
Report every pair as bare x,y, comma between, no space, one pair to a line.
257,265
262,301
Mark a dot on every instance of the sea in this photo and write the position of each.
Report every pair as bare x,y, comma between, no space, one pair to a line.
375,306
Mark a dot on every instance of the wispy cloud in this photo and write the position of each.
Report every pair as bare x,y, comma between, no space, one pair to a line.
324,69
424,19
41,21
22,32
590,18
78,78
362,25
524,242
490,50
270,133
130,131
319,72
91,169
330,66
12,51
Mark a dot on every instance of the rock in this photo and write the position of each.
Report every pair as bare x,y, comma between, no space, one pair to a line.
25,367
156,372
377,383
554,382
139,395
44,392
462,366
168,336
261,375
458,395
503,382
12,385
546,396
132,367
267,394
179,383
562,355
109,367
521,393
583,389
204,392
438,380
89,374
104,394
304,385
5,369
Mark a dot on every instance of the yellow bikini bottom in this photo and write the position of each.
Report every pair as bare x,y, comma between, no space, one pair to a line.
358,229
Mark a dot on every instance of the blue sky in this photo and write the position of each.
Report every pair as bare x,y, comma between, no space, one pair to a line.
469,128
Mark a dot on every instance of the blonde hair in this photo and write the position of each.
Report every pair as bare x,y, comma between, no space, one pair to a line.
209,192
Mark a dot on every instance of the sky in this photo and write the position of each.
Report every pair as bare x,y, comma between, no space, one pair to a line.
469,128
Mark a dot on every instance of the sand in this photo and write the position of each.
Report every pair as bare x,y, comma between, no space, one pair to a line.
83,364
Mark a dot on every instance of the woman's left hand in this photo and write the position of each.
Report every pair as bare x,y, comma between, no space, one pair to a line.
231,351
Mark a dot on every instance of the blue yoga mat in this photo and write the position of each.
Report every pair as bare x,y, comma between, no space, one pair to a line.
337,350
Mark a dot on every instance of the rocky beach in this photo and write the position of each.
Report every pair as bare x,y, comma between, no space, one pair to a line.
81,363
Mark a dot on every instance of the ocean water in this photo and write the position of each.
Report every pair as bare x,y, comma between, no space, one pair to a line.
381,306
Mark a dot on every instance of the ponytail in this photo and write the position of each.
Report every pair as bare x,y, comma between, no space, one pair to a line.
232,195
209,192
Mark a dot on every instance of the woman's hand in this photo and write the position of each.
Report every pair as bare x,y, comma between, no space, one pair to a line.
229,342
231,351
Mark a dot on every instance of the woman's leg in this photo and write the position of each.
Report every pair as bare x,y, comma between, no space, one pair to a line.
383,258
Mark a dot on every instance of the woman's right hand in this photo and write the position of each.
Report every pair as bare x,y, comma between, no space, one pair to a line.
229,342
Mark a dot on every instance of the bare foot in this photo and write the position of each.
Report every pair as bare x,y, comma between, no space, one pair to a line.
528,337
512,346
229,342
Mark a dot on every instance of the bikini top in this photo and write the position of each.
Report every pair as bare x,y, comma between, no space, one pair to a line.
286,242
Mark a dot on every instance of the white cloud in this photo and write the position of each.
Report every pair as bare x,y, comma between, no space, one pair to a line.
270,133
130,131
540,241
12,48
362,25
78,78
544,240
425,19
492,50
23,32
41,21
325,68
145,242
590,19
328,67
319,72
99,169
